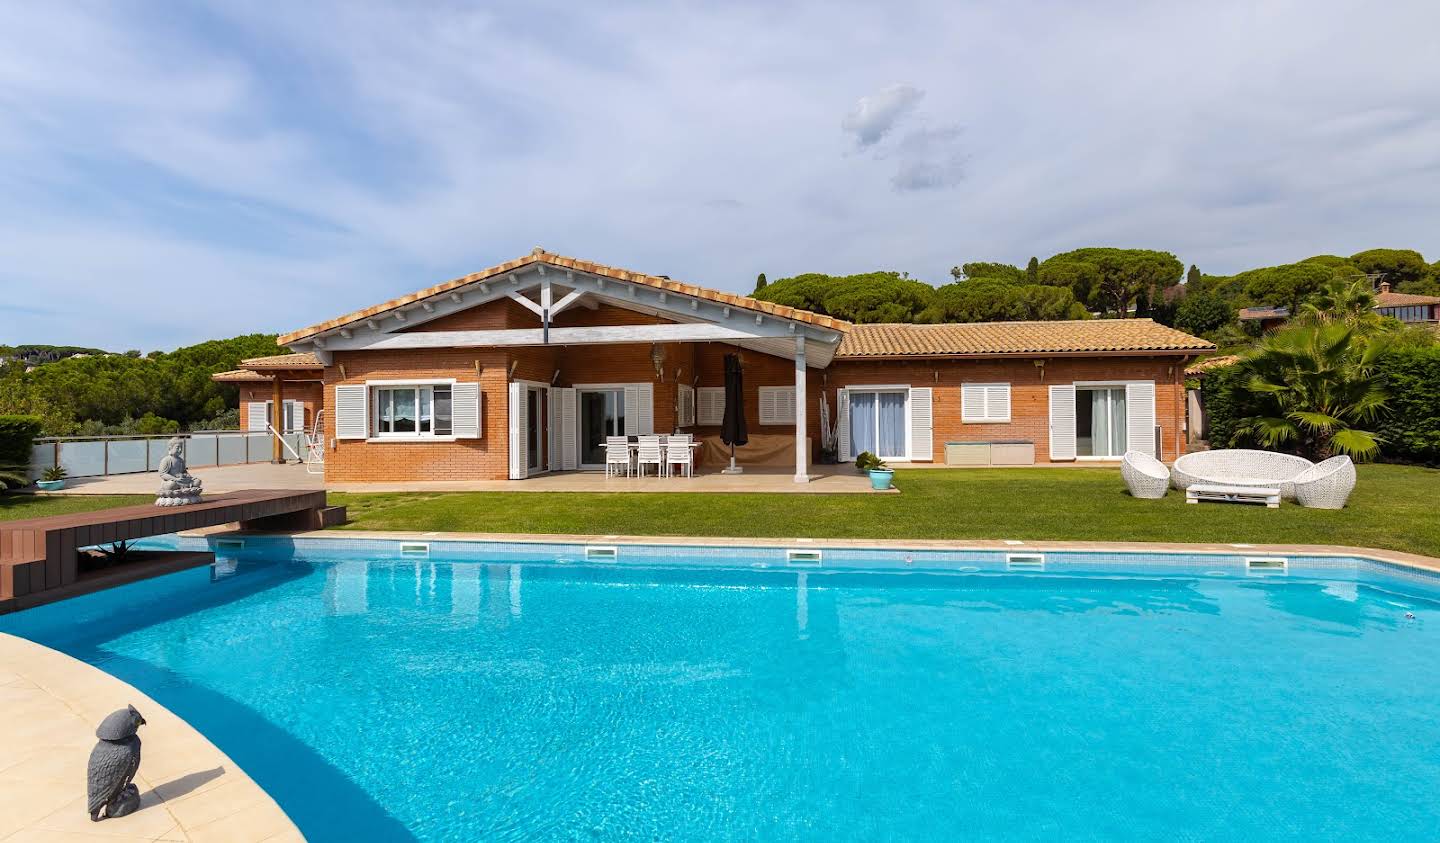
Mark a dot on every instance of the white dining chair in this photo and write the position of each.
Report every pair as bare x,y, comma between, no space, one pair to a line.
679,453
650,452
617,456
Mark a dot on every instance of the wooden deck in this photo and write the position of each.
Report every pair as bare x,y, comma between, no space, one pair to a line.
40,554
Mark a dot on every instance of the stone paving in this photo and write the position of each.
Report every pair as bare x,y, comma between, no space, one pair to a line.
50,705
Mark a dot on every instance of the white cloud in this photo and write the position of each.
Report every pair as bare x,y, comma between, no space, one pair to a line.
270,166
875,115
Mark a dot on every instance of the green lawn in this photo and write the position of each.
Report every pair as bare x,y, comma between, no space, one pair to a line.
13,507
1394,507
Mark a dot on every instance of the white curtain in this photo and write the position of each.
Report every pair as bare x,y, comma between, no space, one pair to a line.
1099,422
892,424
1117,422
862,422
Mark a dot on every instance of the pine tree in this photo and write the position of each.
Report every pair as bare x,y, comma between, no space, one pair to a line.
760,282
1193,277
1032,271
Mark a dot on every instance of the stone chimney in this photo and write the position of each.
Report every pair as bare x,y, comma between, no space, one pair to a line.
1384,286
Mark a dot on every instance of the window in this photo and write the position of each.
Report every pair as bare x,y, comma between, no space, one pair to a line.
710,405
984,402
419,410
777,405
1100,421
685,406
878,422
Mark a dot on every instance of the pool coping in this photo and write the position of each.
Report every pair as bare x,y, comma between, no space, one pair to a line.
1403,559
190,790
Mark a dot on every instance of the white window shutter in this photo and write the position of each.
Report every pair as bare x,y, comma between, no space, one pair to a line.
972,402
777,404
465,410
256,415
519,465
352,411
710,405
842,423
569,430
997,402
553,454
922,424
1062,422
646,397
1140,417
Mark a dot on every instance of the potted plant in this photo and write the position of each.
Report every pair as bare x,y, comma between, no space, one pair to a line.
881,476
52,479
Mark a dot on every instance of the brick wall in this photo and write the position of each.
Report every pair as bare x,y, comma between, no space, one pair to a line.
1029,392
311,394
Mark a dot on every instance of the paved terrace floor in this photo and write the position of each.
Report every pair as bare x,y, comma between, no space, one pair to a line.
189,790
841,479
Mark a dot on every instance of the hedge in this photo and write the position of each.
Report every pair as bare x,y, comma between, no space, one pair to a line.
1410,426
17,438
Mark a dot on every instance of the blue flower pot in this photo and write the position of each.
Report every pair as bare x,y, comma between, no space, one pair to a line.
50,485
881,478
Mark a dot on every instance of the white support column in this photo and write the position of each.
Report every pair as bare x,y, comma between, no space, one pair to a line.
802,453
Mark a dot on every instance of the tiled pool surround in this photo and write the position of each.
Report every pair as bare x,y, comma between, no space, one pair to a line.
984,558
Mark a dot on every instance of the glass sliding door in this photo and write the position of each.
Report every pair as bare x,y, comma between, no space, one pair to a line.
602,414
1100,421
535,429
878,424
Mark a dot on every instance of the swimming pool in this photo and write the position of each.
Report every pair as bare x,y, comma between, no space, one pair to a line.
451,691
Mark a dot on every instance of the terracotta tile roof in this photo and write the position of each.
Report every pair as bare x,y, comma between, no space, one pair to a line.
303,360
1403,299
551,259
1212,363
988,339
240,375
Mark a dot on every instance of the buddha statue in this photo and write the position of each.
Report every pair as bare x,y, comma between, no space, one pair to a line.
177,487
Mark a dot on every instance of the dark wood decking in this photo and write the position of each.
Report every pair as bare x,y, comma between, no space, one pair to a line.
37,554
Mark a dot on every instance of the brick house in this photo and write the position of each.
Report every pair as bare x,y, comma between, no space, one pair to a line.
525,367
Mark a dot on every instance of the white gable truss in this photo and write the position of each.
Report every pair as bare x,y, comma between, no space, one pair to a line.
548,289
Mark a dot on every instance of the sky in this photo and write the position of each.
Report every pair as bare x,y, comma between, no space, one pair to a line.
171,173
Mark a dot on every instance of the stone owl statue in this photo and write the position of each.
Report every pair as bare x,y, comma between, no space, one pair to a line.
113,764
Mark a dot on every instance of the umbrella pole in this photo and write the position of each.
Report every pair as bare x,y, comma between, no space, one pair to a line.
733,469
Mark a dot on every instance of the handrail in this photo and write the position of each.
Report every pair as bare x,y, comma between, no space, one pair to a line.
124,436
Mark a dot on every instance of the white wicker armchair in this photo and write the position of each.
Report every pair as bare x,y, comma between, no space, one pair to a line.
1146,476
1327,485
1238,467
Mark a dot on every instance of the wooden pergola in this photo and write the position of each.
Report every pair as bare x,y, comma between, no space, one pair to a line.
276,370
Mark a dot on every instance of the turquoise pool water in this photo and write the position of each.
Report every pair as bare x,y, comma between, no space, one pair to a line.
394,698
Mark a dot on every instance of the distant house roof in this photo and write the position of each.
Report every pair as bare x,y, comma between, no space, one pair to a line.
1000,339
238,376
1388,299
539,256
303,360
1210,364
1262,313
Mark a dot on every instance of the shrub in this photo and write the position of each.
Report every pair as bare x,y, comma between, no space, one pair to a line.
17,438
1411,424
868,461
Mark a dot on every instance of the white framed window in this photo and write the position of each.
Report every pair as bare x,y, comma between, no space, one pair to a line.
685,406
984,403
412,410
777,405
710,405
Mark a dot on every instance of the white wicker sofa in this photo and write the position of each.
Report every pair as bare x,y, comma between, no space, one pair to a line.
1239,467
1327,484
1145,476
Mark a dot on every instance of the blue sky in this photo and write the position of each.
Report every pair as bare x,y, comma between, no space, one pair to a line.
172,173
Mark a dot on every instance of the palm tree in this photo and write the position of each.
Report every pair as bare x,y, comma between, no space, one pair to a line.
1349,302
1313,386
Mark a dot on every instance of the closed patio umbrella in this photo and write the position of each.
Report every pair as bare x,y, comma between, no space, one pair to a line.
732,427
